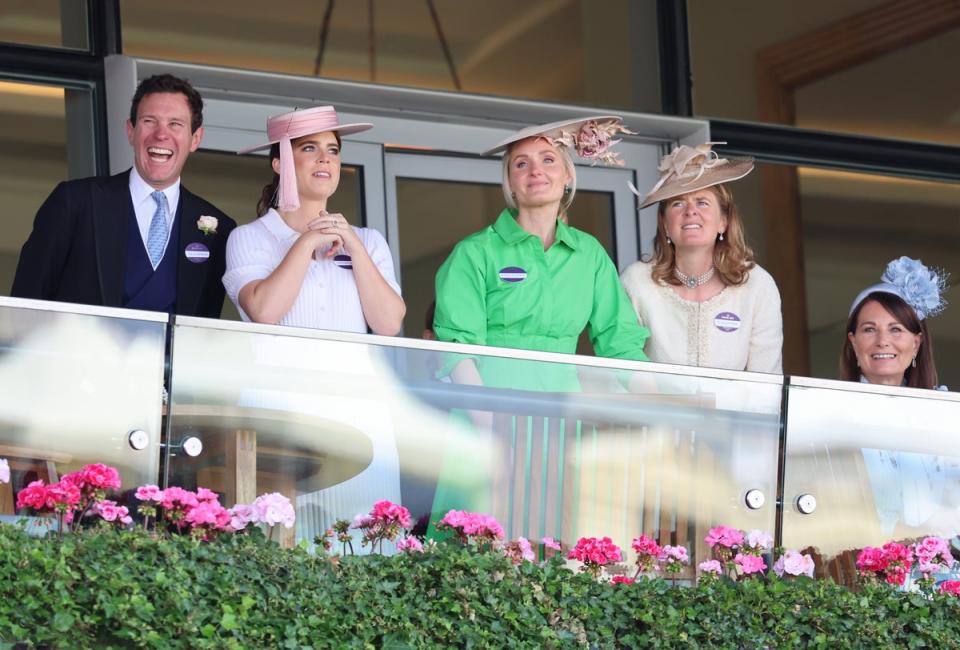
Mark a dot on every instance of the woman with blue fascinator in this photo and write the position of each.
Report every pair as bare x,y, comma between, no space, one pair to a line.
888,343
887,339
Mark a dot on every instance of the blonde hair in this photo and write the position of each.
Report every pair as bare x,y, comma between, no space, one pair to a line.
567,161
732,257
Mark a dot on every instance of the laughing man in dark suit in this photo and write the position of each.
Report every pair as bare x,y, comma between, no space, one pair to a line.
138,239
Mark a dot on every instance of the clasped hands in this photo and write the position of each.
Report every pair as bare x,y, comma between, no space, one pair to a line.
331,234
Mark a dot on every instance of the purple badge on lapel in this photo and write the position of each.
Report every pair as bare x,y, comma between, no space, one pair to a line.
726,321
343,261
513,274
197,253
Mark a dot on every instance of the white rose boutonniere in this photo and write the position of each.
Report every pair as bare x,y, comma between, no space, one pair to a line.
207,225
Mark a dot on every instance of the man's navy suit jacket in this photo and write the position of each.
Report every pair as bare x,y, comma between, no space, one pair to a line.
78,248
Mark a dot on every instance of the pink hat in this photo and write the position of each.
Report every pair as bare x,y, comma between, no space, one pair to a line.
293,125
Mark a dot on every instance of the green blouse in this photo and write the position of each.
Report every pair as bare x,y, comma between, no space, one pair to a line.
500,288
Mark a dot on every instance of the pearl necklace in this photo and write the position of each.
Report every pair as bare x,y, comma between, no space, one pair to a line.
693,281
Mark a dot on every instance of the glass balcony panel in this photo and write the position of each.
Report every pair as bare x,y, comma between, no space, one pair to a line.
339,421
74,384
882,464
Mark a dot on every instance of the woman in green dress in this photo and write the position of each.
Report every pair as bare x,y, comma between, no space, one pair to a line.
531,281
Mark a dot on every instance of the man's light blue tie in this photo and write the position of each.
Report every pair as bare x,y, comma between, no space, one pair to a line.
157,235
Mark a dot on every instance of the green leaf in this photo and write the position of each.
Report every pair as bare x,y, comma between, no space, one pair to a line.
63,621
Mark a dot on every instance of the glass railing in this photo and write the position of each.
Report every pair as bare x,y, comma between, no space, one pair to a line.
337,421
553,445
74,383
866,465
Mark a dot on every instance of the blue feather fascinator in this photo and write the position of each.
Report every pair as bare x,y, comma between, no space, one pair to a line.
919,286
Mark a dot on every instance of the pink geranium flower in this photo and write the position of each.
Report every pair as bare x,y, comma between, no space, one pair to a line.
241,515
274,508
208,513
472,526
551,543
673,558
891,563
149,493
871,560
33,496
749,564
724,536
176,498
65,495
647,551
385,522
390,513
62,499
621,580
758,541
899,561
677,553
794,563
203,494
932,555
176,503
110,511
101,476
595,553
950,587
711,567
94,480
410,545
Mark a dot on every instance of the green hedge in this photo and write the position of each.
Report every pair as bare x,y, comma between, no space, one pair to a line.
129,589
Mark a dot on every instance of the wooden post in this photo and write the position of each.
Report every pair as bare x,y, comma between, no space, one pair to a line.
241,461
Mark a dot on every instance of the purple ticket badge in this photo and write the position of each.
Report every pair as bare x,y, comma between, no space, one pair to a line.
343,261
513,274
197,253
726,321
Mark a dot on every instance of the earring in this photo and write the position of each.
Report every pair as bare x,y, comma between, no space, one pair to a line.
566,189
721,236
513,195
668,241
914,362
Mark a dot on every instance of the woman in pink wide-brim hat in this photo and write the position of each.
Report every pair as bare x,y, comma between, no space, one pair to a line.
298,264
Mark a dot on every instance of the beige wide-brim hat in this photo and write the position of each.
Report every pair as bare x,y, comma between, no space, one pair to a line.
553,131
688,169
592,138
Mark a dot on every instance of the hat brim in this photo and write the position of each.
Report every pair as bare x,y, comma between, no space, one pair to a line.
550,130
732,171
883,287
342,129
